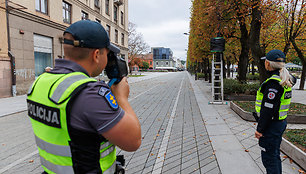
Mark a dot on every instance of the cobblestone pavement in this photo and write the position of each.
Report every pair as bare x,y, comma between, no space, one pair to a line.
181,133
174,136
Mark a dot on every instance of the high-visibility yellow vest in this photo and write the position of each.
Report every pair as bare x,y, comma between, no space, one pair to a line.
47,102
284,101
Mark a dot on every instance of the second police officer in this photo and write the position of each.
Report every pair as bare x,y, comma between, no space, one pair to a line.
272,106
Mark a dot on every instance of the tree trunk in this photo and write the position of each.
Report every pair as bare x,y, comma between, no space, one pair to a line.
302,82
209,71
253,68
286,48
224,70
206,69
302,58
257,51
244,54
228,64
243,59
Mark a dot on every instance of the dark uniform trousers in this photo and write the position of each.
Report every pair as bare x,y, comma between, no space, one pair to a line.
271,141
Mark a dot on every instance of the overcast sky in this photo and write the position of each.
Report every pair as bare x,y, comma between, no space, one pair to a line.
162,23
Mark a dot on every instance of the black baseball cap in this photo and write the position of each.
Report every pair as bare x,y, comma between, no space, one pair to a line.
275,56
89,34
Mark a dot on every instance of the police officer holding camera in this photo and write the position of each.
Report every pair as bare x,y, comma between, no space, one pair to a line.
78,121
272,106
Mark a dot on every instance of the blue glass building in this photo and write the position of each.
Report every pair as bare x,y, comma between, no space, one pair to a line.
163,59
162,53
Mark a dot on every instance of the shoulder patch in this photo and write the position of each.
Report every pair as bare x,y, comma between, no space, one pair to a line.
271,95
103,91
110,98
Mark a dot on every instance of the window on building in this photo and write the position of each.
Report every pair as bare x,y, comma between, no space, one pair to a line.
66,12
41,6
123,56
167,63
108,30
107,7
122,18
97,3
115,13
122,39
156,63
42,53
99,21
116,36
150,62
164,56
84,15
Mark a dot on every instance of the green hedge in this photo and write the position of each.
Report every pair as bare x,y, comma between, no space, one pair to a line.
232,86
200,75
252,77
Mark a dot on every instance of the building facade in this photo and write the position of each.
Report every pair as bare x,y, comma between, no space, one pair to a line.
149,59
5,61
36,28
163,59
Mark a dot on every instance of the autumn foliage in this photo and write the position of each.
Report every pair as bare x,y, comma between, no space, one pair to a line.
251,28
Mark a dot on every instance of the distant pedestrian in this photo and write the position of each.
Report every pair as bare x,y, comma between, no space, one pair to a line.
272,106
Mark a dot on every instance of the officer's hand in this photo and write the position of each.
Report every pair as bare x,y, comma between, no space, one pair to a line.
121,90
258,134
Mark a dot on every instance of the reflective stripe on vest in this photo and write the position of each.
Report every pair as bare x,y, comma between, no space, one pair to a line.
111,170
64,85
53,148
284,107
105,145
107,151
56,168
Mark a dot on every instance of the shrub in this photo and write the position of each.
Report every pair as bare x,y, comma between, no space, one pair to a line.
252,77
252,88
232,86
200,75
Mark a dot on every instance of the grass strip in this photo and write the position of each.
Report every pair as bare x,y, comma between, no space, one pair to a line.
295,108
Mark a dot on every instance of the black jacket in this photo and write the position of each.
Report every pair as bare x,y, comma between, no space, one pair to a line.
272,93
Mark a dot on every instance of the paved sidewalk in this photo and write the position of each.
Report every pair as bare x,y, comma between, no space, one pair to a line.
233,138
17,104
12,105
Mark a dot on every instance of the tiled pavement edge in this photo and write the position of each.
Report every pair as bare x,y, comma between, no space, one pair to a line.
230,154
240,130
